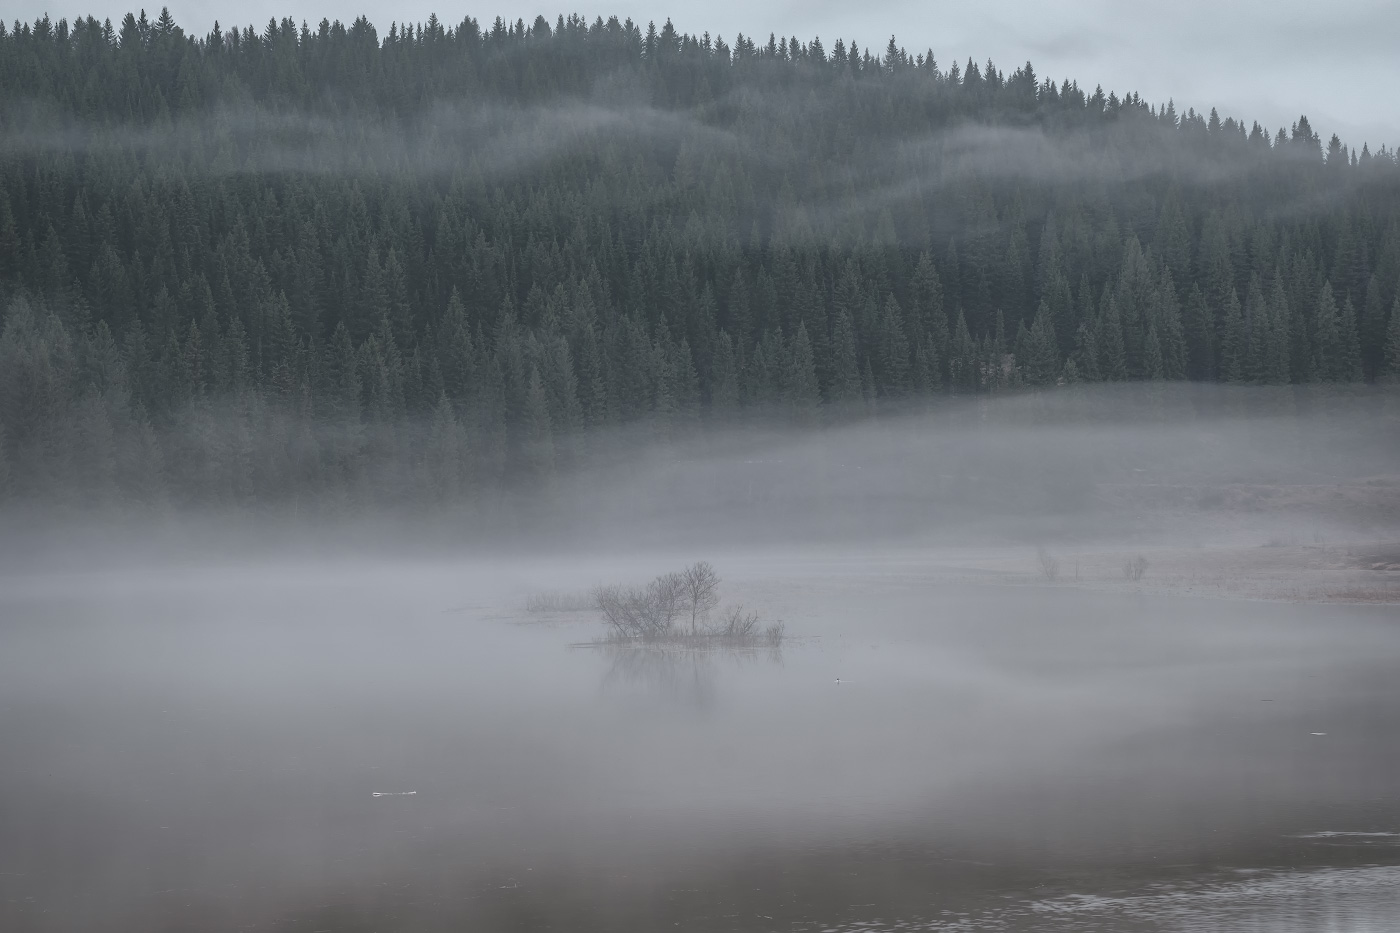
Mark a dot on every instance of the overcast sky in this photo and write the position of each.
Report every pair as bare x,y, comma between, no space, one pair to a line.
1266,60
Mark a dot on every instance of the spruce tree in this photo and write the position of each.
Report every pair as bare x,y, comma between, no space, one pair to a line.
1349,349
444,456
538,440
1329,361
1108,339
801,394
1233,341
845,387
1392,345
1153,368
253,328
724,379
1371,330
1277,341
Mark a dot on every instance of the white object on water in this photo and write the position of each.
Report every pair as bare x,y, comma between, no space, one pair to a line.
1317,733
395,793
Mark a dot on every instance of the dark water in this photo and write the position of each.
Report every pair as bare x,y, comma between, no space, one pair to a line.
200,750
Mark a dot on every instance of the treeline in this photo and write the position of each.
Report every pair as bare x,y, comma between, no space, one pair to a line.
269,264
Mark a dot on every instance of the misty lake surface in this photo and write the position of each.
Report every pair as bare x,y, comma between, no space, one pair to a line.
362,746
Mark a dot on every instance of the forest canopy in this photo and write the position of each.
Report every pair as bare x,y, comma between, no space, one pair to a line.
252,265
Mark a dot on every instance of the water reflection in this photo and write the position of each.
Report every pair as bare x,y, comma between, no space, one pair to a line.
675,675
995,759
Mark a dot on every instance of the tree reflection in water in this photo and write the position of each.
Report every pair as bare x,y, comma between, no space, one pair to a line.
683,676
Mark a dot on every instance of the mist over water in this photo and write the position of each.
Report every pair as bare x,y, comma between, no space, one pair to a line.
580,475
361,725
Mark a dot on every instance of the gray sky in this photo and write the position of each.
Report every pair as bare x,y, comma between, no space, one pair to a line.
1266,60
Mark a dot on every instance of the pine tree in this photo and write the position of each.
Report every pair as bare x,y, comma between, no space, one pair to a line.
1329,364
1233,340
538,443
1392,345
963,361
1349,349
208,320
926,295
724,379
845,387
1276,345
1113,361
1086,354
444,455
1039,357
1166,317
1257,331
1371,330
457,353
891,359
1153,368
801,393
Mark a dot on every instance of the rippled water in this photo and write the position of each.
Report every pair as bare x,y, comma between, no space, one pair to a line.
401,746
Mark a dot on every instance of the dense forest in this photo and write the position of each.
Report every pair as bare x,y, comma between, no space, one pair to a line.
333,264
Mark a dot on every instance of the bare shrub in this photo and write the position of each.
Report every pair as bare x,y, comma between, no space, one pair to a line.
628,610
667,595
651,613
738,624
701,592
1049,564
646,612
1135,568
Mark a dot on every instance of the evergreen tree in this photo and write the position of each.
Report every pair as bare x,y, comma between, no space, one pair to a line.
1108,339
1349,348
1038,355
1152,366
1329,352
538,442
963,362
1392,345
845,386
1276,365
444,456
1371,329
1234,341
724,378
800,389
891,358
192,313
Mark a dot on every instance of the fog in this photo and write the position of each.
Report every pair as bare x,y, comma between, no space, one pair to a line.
1253,61
483,144
201,710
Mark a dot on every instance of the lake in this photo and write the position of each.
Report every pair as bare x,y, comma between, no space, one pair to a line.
355,745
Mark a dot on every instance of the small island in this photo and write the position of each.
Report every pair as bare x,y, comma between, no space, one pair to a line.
682,609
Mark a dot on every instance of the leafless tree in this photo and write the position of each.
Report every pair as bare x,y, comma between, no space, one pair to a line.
701,592
667,595
1135,568
650,613
738,624
1049,564
645,612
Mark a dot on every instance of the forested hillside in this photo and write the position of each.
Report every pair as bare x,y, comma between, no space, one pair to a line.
325,261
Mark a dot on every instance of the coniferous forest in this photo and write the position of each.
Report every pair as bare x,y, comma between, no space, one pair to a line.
414,264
